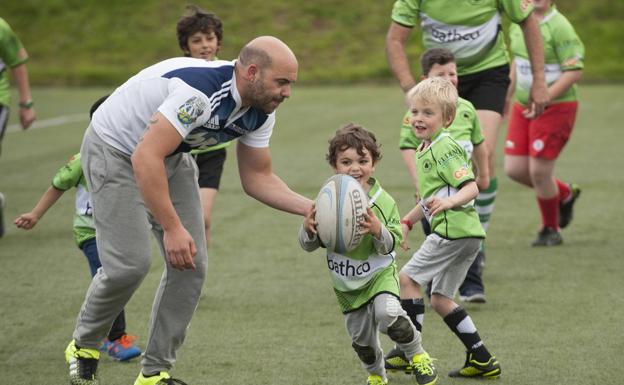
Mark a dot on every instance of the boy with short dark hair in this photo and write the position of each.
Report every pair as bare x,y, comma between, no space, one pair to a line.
200,34
370,301
447,190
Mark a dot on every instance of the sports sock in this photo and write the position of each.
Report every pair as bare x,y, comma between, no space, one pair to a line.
484,204
550,211
415,308
461,324
564,190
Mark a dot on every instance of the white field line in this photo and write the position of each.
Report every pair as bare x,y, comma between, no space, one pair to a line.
52,122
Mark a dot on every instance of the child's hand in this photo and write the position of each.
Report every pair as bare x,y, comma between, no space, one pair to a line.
437,205
370,224
310,223
405,230
26,221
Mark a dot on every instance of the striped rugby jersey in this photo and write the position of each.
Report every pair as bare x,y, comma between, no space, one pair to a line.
199,98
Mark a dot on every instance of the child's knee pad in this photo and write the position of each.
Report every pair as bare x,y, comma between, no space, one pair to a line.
401,330
366,353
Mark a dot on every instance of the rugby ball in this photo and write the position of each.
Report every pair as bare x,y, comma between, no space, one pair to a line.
340,206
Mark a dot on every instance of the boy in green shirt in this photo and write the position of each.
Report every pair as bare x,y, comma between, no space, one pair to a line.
119,345
369,296
13,56
447,189
466,131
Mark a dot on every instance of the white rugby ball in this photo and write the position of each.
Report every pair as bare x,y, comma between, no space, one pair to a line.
340,206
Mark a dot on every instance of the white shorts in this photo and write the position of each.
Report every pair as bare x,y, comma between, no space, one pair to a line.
443,262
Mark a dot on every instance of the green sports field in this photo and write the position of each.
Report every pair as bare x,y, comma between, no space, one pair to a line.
268,314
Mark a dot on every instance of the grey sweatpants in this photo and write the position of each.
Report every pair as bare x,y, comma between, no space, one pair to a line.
123,226
364,325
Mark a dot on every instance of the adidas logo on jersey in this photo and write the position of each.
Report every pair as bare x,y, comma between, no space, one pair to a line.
213,123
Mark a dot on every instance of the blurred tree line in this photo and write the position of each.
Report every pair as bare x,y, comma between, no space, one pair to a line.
90,42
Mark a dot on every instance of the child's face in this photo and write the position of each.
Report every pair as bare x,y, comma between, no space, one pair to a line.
203,45
426,118
360,167
446,71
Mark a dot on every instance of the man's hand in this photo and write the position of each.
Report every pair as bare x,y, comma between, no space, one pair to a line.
180,248
310,223
27,117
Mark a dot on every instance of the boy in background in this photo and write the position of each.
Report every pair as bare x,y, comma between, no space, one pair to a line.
119,345
200,34
13,56
370,302
534,143
447,190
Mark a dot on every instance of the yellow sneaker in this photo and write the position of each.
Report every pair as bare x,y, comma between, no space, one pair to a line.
83,364
375,379
474,368
395,360
162,378
423,369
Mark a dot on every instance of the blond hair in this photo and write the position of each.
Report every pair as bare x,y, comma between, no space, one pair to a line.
436,90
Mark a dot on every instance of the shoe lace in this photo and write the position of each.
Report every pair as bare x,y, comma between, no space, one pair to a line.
424,366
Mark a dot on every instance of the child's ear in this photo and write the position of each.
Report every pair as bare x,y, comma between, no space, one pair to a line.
448,121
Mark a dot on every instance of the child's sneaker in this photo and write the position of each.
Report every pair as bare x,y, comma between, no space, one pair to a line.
548,237
83,364
122,349
565,208
162,378
373,379
474,368
104,346
423,369
396,360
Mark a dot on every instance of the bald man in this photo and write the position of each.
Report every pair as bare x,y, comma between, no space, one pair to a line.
141,179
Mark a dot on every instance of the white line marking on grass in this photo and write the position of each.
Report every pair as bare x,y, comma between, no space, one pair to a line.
52,122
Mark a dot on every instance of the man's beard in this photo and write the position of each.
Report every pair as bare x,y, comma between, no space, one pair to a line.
262,99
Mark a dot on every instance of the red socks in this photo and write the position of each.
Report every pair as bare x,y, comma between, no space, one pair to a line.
550,211
564,190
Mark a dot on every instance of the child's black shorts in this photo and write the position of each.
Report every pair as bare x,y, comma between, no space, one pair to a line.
210,165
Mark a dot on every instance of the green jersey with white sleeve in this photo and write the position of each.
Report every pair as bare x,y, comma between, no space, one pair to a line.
465,129
563,51
70,176
370,269
442,169
470,29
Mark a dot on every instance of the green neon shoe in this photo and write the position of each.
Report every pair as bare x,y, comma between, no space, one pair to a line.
423,369
396,360
83,364
375,379
474,368
162,378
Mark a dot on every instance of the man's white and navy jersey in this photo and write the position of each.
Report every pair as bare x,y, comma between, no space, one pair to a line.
199,98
